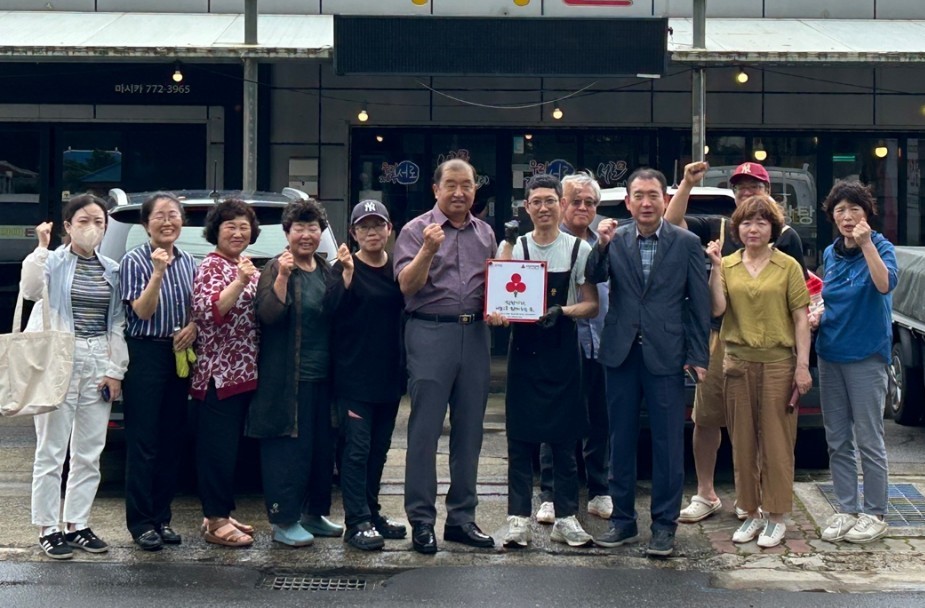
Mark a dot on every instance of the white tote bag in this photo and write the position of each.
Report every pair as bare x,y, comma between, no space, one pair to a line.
35,366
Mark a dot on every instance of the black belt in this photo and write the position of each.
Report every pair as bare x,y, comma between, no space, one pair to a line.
465,319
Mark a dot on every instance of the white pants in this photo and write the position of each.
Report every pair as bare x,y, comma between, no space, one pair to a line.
81,420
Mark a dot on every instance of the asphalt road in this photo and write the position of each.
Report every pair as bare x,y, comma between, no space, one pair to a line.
100,586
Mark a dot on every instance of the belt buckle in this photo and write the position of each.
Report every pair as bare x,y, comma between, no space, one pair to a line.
466,319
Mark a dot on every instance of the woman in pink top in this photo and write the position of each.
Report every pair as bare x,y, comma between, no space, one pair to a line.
226,367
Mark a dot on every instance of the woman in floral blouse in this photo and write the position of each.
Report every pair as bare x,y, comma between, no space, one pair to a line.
226,369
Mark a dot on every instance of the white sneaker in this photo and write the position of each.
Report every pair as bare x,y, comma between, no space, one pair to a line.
546,514
869,528
772,535
568,530
602,506
837,526
749,530
742,514
518,531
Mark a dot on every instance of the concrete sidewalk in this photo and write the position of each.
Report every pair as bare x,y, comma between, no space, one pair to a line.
803,561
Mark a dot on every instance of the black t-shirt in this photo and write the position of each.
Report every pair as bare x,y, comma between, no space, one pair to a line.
314,353
707,228
366,339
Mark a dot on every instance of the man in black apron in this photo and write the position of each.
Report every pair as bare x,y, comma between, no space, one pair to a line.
543,396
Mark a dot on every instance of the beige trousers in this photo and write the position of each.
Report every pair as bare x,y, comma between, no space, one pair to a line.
763,433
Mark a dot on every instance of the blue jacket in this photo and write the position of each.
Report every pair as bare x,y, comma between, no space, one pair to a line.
857,321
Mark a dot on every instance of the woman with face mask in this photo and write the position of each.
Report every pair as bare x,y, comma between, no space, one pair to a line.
83,298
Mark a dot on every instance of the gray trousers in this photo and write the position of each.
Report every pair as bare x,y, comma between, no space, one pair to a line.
852,397
448,364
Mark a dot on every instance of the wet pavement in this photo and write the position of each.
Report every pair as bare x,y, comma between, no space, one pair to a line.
802,562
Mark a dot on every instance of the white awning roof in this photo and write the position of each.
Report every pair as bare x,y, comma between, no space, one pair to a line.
57,36
800,41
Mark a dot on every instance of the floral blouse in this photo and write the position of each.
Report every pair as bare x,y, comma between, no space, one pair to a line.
226,348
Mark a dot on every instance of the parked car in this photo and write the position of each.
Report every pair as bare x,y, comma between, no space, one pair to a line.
721,202
125,232
906,395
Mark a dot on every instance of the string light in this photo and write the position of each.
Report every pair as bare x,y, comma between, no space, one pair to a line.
557,113
363,116
742,76
760,153
177,73
528,136
380,138
881,150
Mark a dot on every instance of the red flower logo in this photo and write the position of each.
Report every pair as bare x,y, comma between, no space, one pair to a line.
516,285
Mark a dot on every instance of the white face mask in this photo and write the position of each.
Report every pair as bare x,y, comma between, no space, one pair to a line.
87,238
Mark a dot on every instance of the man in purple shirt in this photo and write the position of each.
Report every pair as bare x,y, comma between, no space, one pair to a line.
440,264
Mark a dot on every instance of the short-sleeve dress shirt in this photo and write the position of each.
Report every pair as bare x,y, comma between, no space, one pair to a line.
174,299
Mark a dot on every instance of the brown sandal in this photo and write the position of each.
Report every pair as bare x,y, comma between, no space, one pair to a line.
222,532
245,528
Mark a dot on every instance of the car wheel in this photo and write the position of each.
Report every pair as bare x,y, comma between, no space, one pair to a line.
905,390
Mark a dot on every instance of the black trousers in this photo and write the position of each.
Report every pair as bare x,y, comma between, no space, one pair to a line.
520,477
593,452
218,434
298,471
155,420
367,430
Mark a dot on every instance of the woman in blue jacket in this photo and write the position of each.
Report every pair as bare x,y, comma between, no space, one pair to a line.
853,346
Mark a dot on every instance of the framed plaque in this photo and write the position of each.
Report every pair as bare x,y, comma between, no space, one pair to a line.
516,289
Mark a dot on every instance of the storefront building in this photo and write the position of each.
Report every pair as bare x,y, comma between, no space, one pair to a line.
838,92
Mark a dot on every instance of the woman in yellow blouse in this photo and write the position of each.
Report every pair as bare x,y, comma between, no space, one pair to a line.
766,333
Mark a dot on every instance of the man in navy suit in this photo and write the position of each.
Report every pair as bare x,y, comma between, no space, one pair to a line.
656,328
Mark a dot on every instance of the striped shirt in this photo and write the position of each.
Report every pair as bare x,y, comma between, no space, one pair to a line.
173,304
90,294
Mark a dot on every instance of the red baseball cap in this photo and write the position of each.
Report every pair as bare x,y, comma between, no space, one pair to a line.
752,170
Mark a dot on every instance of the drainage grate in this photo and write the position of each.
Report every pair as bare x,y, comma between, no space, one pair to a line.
312,583
906,503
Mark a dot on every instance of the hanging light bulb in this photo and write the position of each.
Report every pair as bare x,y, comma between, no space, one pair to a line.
706,150
557,113
528,136
363,116
380,138
760,153
880,151
177,73
742,76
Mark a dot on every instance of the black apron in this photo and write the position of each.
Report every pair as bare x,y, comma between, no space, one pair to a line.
544,372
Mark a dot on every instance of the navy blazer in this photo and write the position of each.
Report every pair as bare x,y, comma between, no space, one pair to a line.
671,312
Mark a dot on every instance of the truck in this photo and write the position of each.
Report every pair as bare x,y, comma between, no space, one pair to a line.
906,395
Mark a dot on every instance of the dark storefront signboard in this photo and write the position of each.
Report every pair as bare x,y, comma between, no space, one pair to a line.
119,84
486,46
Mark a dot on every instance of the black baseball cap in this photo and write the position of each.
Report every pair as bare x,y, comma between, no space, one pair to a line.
367,208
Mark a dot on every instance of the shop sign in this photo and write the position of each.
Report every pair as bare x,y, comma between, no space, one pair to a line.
404,173
463,154
558,168
611,172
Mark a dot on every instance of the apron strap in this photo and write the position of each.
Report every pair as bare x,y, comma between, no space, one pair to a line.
523,242
575,249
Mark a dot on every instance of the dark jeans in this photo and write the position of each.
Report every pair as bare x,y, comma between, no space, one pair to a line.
155,420
627,385
297,471
367,430
520,477
218,433
593,453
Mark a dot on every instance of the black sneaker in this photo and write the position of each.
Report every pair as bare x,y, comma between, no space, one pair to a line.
615,537
661,544
88,541
389,528
364,537
55,546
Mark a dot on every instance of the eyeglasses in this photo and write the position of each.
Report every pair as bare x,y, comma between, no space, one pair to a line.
590,203
300,230
365,229
169,217
749,187
536,203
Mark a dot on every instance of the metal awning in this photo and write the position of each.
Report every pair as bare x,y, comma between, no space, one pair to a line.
800,41
60,36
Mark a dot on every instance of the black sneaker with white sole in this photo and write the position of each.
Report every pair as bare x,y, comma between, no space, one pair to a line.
88,541
55,546
364,537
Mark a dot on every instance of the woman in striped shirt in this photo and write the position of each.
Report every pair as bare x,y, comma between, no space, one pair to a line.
156,288
83,299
